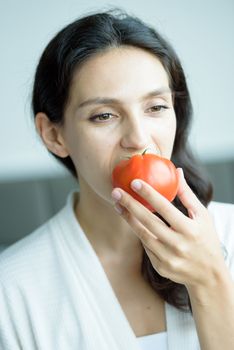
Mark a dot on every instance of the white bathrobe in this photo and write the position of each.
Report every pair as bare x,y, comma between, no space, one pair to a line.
54,293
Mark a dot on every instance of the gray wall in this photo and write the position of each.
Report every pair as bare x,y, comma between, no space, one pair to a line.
25,205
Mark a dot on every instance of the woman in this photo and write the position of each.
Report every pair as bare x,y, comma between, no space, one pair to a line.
108,86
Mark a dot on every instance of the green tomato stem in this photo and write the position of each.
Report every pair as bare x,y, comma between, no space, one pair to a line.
145,150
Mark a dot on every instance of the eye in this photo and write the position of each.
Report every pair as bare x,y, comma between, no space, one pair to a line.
104,117
158,108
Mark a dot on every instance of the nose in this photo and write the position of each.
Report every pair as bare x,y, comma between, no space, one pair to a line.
135,135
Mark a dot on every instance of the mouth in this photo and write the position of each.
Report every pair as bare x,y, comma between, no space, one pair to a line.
148,150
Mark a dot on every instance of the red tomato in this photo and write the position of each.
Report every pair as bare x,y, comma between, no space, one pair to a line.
158,172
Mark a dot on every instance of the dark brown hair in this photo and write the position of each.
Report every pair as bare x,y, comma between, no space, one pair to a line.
84,38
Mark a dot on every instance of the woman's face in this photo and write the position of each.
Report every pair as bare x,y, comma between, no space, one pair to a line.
120,104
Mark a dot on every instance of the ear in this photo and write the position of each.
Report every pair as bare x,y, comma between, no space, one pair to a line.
50,134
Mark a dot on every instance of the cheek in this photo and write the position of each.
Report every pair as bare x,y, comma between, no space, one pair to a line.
90,154
164,133
173,129
170,129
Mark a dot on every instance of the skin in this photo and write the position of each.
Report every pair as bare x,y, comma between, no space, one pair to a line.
131,127
181,252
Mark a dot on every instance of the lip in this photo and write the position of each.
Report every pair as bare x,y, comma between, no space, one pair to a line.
149,150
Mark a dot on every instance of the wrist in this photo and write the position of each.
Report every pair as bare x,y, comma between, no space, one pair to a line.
218,286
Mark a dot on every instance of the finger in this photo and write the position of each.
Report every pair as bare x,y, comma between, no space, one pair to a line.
152,256
150,221
157,249
147,237
155,261
163,266
188,197
175,218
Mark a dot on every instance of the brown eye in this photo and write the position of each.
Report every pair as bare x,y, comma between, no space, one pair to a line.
158,108
102,117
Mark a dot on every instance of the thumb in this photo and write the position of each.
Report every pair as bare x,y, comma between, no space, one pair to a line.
187,196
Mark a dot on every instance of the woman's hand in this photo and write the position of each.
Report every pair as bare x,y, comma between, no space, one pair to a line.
186,252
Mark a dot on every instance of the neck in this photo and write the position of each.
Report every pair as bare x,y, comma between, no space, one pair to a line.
109,234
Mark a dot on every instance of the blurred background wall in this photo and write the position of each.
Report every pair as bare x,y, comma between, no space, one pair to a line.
32,185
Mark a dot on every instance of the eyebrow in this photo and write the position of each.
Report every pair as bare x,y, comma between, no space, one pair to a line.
108,100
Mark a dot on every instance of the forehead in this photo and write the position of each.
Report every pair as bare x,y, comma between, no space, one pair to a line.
119,72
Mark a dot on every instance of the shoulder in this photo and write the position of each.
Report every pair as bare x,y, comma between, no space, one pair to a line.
223,216
215,207
34,284
29,257
37,256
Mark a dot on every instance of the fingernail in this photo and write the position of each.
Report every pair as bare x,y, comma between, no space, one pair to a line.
116,195
191,214
136,185
181,172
